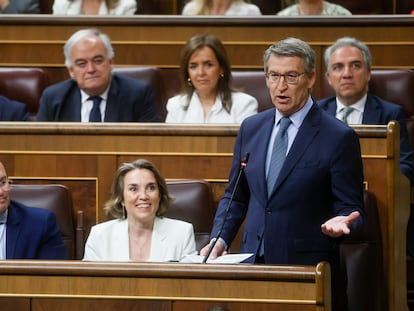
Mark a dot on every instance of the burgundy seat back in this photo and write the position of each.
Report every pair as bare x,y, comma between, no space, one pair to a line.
253,83
55,198
152,76
25,85
193,203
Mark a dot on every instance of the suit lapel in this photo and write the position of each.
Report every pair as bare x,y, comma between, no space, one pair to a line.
261,142
158,240
307,132
12,230
372,112
113,101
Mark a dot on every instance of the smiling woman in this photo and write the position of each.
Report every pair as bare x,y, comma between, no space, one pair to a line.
139,199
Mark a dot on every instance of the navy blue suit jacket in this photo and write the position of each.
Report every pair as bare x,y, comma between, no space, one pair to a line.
321,178
32,233
379,111
129,100
11,110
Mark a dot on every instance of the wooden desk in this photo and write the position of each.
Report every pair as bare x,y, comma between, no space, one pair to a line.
57,285
85,157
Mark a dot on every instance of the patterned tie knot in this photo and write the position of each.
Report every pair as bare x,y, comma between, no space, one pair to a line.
346,111
284,124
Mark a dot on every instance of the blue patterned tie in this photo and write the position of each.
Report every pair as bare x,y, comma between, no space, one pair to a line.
346,111
278,154
95,114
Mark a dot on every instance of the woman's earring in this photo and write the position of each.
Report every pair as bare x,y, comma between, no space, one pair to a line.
123,211
189,82
222,75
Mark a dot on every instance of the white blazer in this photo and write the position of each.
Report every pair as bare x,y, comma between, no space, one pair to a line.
235,9
243,106
74,7
171,240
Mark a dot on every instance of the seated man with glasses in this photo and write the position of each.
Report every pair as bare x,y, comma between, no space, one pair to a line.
27,232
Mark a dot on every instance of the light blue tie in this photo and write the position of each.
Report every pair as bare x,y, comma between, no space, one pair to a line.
95,114
346,111
278,154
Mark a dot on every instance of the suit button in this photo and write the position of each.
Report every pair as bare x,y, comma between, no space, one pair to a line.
268,211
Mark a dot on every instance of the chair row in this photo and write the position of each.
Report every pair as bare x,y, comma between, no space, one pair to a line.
27,84
267,7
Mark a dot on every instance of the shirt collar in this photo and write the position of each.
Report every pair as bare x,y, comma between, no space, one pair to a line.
3,217
358,106
85,97
297,117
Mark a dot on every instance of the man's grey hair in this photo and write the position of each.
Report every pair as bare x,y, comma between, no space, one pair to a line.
348,41
82,34
291,47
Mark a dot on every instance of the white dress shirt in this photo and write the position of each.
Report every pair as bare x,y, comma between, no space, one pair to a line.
236,9
243,106
87,105
68,7
355,117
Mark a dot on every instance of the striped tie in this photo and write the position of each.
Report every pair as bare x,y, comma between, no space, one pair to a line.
278,154
346,111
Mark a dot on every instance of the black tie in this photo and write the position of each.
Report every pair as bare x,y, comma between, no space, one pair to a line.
95,115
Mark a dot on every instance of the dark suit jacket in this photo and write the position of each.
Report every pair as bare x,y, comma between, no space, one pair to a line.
321,178
32,233
379,111
129,100
11,110
22,6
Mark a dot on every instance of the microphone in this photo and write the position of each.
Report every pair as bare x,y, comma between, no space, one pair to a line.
243,164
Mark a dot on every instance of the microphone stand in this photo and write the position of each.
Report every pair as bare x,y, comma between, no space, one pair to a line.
243,164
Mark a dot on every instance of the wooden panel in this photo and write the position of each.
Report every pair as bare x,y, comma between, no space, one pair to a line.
164,284
157,41
72,152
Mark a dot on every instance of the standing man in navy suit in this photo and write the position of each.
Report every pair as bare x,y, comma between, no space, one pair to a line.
317,196
27,232
348,70
95,94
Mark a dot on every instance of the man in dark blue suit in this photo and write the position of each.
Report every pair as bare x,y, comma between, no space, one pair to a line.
317,196
27,232
95,94
348,70
11,110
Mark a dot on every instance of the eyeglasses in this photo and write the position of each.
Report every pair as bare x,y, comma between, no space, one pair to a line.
291,77
5,183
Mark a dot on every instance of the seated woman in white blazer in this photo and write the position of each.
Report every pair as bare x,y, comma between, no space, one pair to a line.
139,232
207,96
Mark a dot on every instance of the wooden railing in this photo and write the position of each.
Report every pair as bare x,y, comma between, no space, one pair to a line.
133,286
85,157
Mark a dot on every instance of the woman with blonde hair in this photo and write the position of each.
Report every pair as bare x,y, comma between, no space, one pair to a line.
220,7
139,231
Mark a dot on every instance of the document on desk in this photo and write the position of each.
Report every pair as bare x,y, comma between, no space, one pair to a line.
225,259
